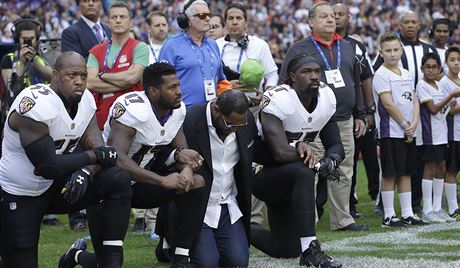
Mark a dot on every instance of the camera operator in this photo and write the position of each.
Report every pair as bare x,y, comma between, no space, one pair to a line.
25,66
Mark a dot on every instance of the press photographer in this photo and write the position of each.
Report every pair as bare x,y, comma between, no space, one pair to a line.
25,66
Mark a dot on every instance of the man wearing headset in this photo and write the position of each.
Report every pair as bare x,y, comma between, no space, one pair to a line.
24,67
195,57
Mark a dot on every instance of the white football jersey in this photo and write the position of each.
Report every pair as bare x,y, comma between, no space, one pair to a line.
40,103
134,110
299,124
448,86
402,92
433,126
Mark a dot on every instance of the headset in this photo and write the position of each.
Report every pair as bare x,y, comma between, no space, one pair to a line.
437,22
16,33
182,18
243,41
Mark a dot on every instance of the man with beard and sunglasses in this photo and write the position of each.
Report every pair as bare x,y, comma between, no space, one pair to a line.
223,131
291,116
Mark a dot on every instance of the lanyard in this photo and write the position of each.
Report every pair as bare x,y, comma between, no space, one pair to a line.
107,55
239,59
188,38
324,57
153,52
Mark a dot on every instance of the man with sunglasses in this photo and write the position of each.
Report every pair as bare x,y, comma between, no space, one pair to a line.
223,131
195,57
292,116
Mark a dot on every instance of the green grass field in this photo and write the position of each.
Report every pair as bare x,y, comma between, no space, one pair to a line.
428,246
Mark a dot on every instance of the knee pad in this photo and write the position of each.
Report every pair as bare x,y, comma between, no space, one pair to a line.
120,182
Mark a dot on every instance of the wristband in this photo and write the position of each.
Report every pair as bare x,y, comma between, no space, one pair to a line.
370,110
176,153
404,124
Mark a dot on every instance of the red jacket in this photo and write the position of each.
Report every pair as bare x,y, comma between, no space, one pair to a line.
122,63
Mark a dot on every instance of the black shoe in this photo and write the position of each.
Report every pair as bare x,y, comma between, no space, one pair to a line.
162,254
355,227
313,256
181,262
139,225
356,215
392,221
79,227
67,260
413,220
52,222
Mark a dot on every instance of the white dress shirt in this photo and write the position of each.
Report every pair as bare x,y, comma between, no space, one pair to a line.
91,25
257,49
225,156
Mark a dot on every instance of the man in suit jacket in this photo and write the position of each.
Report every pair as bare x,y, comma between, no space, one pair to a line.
223,131
88,31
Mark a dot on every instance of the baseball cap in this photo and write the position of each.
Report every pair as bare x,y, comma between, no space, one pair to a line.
251,74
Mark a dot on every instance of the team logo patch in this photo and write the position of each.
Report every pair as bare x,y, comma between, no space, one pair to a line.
309,120
118,110
26,105
265,102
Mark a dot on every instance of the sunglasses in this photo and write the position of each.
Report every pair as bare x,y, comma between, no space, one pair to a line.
202,16
227,125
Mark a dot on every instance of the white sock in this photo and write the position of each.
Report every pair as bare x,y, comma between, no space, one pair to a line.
388,203
181,251
165,244
451,194
305,242
437,193
427,190
405,199
76,256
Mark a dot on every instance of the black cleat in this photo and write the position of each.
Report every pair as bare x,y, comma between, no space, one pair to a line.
67,260
313,256
181,262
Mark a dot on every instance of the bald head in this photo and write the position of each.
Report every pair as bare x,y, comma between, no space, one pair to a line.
341,17
69,77
409,26
69,58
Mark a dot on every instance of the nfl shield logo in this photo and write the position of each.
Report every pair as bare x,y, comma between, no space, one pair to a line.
162,133
309,120
13,206
123,58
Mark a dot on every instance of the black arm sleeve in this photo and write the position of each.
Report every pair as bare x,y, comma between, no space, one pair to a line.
51,166
330,137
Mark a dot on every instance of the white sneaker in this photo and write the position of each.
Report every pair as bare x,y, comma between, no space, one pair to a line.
432,217
443,215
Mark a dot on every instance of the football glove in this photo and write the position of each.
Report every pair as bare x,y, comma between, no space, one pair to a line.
106,155
327,168
76,185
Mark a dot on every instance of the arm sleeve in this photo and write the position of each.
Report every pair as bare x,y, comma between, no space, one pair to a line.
378,61
330,138
271,70
47,164
380,84
358,111
423,93
141,54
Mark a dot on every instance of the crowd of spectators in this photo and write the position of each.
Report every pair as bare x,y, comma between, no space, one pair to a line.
279,22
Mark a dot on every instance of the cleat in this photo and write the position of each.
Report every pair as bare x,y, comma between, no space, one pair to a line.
443,215
67,260
456,214
313,256
413,220
392,221
432,217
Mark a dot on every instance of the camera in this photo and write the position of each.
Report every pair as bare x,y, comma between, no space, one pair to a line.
27,41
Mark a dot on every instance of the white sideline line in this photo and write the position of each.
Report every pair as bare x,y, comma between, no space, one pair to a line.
406,238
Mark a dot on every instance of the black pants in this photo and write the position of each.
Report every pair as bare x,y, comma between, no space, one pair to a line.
184,217
368,148
416,179
288,191
21,218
